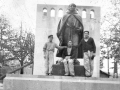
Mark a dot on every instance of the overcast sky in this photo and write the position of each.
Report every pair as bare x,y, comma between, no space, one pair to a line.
25,10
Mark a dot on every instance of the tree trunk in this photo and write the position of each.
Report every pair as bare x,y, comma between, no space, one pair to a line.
22,70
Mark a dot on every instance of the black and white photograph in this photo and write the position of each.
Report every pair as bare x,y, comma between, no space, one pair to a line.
59,44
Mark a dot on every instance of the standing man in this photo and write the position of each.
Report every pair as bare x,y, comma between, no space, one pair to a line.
69,55
49,54
89,50
70,27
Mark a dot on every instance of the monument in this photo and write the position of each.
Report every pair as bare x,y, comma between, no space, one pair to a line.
71,28
47,24
48,17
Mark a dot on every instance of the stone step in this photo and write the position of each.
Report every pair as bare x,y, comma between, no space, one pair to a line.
1,86
41,82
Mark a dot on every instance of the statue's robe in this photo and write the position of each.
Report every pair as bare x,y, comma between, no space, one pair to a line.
68,29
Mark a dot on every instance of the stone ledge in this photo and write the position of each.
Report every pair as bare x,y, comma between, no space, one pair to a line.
22,82
1,88
62,77
63,80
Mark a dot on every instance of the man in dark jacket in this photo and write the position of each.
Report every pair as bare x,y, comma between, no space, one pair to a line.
69,55
89,50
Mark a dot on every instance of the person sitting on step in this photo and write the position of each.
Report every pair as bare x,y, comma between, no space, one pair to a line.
69,55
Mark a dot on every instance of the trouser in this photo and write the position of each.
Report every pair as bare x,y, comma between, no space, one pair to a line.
49,61
69,67
88,64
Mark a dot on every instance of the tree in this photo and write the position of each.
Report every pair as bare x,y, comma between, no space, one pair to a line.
23,47
110,32
4,25
16,44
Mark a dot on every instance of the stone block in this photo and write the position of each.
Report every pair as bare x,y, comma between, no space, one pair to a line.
24,82
59,70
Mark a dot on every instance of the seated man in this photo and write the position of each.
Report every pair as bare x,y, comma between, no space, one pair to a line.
69,55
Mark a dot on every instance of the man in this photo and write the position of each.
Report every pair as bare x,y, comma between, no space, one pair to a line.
70,27
49,54
69,55
89,49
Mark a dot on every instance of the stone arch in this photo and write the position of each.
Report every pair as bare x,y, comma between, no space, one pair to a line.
52,12
60,12
92,14
84,15
45,11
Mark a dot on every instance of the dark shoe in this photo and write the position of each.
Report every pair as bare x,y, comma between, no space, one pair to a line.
72,75
50,74
47,74
89,76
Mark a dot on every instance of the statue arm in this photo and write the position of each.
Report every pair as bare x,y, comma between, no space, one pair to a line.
61,25
59,34
79,18
81,24
58,29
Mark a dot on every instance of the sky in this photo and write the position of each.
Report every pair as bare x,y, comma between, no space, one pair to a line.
24,11
17,11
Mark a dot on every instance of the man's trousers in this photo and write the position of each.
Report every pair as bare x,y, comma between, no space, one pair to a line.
69,66
88,64
49,61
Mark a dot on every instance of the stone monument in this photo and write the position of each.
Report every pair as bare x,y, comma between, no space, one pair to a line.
48,17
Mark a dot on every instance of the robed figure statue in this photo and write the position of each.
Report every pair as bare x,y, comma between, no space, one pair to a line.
70,28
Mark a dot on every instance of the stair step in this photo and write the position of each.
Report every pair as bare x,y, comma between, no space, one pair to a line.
1,86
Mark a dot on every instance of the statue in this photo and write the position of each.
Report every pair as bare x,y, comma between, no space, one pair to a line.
70,28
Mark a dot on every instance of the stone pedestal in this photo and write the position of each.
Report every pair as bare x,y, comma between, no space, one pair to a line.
24,82
38,56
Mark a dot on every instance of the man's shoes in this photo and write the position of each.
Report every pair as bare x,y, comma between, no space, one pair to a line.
66,74
50,74
47,74
73,75
89,76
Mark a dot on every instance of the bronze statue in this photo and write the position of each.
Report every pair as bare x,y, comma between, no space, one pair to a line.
70,28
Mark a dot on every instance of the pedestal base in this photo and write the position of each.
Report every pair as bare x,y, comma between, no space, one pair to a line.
27,82
60,70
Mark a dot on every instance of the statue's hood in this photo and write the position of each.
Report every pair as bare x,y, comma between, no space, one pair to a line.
71,12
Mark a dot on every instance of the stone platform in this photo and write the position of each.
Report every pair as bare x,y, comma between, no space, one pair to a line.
29,82
1,86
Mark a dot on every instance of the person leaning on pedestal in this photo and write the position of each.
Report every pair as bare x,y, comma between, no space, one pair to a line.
89,50
49,54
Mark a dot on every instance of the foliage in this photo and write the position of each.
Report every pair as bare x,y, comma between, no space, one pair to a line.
16,44
110,33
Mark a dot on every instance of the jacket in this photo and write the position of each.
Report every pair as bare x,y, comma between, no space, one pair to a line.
73,54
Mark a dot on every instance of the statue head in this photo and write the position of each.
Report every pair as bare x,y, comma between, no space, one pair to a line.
72,7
